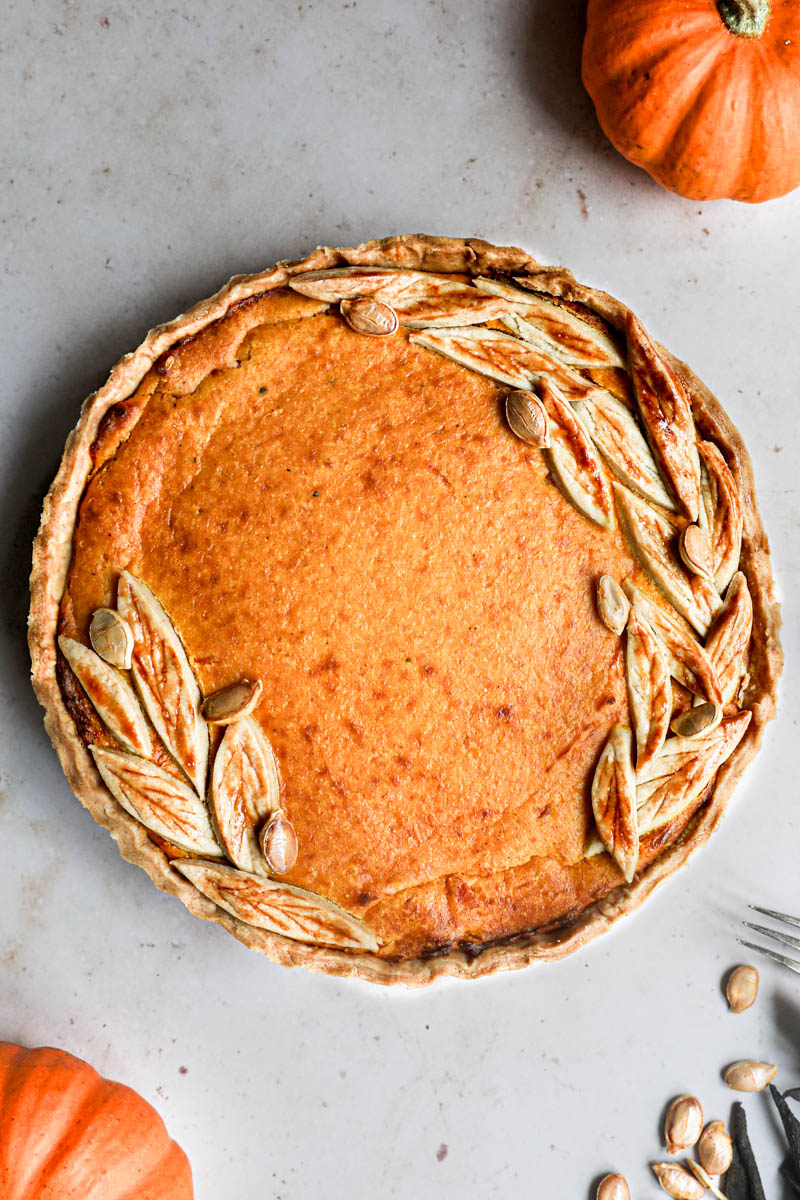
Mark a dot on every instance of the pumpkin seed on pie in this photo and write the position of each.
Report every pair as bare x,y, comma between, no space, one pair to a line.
368,684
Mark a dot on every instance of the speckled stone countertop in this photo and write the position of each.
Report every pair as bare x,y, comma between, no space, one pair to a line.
152,151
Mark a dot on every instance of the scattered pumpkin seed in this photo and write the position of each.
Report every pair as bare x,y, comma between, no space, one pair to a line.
742,988
750,1076
613,1187
683,1124
678,1183
715,1149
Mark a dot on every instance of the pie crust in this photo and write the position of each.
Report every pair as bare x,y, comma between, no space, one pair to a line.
204,343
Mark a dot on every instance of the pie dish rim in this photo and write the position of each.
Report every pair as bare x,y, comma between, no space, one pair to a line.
53,554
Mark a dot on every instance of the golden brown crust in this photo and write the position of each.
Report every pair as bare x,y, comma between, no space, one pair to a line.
105,419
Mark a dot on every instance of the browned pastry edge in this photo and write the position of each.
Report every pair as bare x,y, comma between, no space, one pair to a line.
52,556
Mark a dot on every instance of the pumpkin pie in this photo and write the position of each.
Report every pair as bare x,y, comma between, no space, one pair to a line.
405,609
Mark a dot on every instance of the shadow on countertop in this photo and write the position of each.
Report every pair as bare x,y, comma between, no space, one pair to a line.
549,65
50,408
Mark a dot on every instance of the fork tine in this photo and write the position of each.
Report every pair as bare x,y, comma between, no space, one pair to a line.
791,963
777,935
779,916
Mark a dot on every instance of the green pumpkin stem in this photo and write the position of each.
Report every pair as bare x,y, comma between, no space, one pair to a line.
745,18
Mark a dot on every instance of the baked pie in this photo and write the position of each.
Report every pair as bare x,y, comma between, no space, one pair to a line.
405,609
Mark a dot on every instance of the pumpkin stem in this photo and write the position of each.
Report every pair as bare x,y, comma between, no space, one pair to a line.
745,18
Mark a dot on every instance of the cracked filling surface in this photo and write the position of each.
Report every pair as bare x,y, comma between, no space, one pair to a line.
350,520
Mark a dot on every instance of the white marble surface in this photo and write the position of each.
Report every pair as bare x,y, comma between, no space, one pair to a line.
153,150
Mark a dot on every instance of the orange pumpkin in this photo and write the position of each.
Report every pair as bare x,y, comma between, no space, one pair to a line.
704,94
68,1134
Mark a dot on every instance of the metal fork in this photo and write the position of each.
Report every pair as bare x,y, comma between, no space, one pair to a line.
777,935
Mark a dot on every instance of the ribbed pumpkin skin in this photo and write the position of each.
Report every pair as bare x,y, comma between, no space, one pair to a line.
68,1134
708,113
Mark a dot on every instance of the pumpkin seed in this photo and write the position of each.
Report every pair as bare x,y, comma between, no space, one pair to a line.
527,418
111,638
701,719
613,1187
750,1076
369,316
678,1183
742,988
715,1149
695,550
278,842
613,606
683,1124
232,703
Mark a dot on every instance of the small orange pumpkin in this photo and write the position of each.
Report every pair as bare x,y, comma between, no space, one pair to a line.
68,1134
704,94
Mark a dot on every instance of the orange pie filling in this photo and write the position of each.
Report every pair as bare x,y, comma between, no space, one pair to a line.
350,520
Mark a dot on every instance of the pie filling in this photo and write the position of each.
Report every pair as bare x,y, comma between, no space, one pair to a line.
457,736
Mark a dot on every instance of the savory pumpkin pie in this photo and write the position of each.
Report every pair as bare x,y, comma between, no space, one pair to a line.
405,609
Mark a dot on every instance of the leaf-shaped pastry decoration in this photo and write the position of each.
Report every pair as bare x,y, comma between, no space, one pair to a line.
667,417
728,642
649,688
504,358
278,907
720,513
619,439
113,698
387,284
558,331
651,538
163,803
688,661
573,384
682,772
614,800
245,791
574,463
164,679
452,309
